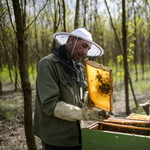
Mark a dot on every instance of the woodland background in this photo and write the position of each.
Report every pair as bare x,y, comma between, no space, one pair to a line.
121,27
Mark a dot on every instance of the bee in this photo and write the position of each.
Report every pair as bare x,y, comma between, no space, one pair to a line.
104,87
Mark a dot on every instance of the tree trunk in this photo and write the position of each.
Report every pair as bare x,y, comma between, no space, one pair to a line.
125,57
56,20
95,23
15,60
25,83
76,24
136,104
64,15
90,16
84,13
135,45
142,52
0,59
0,86
122,52
56,23
42,37
149,47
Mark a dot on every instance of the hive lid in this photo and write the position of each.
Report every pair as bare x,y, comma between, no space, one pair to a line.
139,116
145,106
100,87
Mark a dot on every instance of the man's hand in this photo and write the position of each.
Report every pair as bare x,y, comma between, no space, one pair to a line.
94,114
73,113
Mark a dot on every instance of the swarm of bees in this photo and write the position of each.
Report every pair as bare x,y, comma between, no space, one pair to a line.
105,87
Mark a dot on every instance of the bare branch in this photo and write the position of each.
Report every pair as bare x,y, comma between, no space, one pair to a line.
113,28
59,16
143,8
2,14
36,17
33,49
3,32
10,16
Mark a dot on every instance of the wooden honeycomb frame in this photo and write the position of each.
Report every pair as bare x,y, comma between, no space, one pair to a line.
100,87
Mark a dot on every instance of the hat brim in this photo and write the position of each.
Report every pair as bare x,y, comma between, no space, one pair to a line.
62,37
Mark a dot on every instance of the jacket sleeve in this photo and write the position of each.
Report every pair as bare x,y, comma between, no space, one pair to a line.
47,86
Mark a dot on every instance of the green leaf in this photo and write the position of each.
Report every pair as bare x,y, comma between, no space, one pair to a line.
119,58
131,45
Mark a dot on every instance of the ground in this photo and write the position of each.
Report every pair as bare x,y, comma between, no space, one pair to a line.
12,135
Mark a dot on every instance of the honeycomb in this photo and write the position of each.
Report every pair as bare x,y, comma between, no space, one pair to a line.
100,87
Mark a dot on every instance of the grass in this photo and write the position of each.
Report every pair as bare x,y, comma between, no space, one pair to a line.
141,86
139,111
11,108
5,78
10,112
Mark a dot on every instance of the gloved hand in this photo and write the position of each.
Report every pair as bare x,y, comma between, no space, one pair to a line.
94,114
73,113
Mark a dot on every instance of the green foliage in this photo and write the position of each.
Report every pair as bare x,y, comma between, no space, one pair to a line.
32,74
104,34
130,52
119,58
140,86
6,79
120,73
5,75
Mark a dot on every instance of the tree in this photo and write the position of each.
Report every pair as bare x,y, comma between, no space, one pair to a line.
35,31
25,83
76,23
135,42
84,12
64,15
56,18
124,43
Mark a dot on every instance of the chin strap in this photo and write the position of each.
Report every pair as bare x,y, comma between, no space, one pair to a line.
74,47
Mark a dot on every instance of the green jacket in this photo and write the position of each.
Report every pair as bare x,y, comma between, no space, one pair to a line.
57,82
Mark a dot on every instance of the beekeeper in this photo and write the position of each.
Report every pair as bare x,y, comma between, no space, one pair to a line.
59,92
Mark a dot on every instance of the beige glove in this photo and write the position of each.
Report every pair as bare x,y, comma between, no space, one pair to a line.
73,113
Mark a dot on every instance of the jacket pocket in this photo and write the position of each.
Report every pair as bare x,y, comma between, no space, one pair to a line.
66,91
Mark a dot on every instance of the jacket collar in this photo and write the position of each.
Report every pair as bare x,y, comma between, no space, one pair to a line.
65,58
62,54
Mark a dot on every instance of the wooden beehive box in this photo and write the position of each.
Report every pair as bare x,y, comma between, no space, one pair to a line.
131,133
117,134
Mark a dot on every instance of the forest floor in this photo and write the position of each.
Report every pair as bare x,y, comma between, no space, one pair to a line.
12,135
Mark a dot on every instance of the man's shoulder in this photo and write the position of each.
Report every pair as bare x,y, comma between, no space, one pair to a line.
50,58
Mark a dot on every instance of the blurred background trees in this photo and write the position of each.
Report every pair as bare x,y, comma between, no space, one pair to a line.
66,15
121,27
104,19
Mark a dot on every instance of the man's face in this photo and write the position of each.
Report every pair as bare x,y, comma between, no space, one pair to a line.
81,48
